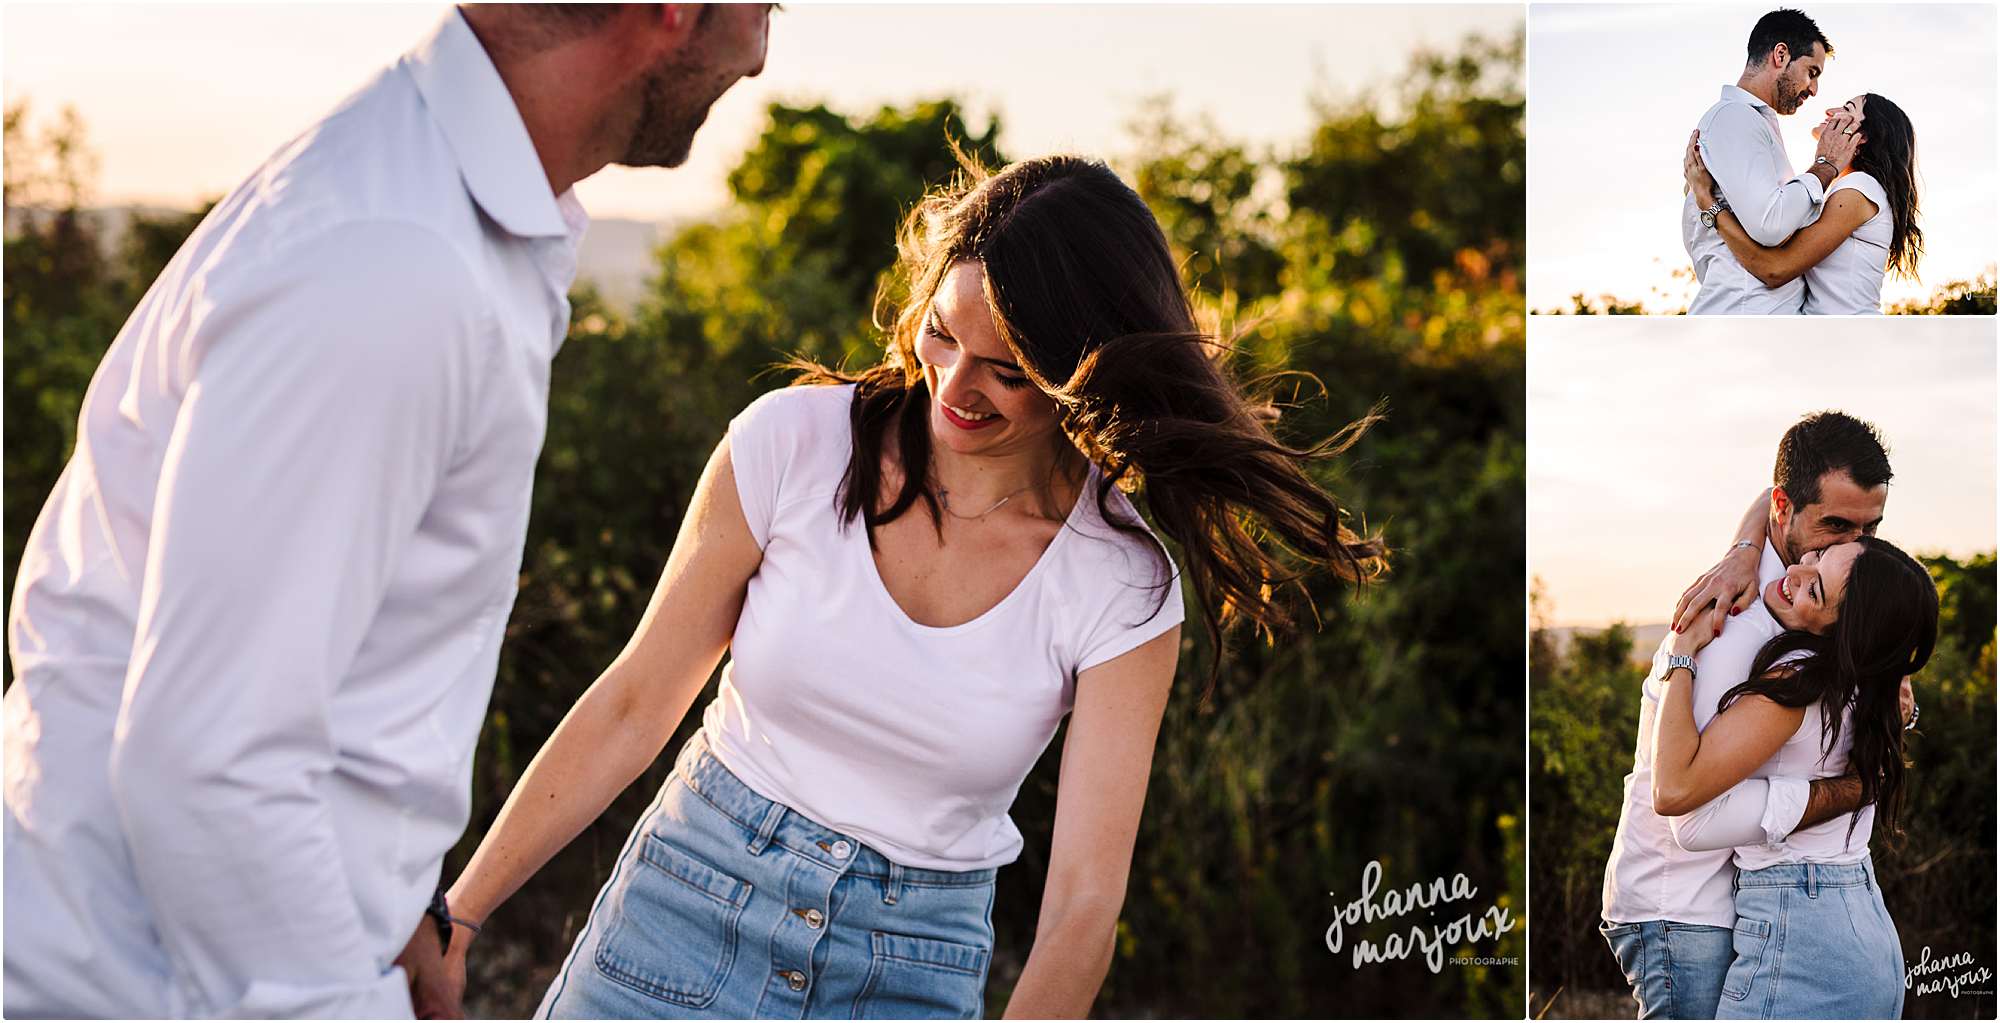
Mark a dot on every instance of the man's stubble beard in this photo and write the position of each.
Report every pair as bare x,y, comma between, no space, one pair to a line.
1795,545
1790,97
670,112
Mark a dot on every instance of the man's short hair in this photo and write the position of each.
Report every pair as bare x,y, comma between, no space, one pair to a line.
1787,26
1823,442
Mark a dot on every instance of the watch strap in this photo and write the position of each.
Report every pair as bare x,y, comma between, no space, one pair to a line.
440,913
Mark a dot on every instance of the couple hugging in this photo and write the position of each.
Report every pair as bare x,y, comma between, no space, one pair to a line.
1769,752
1767,241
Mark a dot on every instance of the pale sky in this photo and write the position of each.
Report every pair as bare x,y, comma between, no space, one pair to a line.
1614,91
1647,439
182,101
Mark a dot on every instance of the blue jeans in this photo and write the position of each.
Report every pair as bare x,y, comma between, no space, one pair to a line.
1813,941
727,905
1675,969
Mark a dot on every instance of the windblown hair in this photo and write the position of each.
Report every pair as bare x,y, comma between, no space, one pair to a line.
1084,292
1889,153
1887,628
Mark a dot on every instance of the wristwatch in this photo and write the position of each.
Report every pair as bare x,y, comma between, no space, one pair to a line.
1678,661
1708,215
440,913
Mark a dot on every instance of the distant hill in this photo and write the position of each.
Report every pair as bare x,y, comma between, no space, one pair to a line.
616,254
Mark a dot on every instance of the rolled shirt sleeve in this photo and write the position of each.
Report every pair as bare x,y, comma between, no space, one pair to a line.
1784,808
326,387
1755,811
1736,151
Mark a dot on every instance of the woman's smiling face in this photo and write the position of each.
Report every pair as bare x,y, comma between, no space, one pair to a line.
981,401
1808,596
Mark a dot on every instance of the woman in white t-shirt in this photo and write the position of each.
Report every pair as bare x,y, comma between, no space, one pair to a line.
1866,227
1822,700
918,571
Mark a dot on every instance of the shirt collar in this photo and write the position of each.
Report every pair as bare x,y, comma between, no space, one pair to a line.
1737,93
1769,566
471,105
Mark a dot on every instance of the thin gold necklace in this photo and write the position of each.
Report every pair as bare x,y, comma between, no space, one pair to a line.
944,495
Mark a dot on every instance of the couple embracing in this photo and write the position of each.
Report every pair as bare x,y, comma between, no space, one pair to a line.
1770,754
1767,241
257,623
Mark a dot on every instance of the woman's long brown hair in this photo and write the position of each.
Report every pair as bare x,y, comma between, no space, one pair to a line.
1889,154
1084,292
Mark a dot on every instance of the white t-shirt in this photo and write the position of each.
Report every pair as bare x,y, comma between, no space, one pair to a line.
1848,281
913,738
1801,757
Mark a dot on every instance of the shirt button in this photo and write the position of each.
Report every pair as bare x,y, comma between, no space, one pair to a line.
797,980
841,849
814,918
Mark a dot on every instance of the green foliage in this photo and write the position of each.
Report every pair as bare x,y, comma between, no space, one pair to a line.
1383,255
1938,879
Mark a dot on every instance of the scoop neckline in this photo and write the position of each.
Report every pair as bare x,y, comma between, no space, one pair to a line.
881,588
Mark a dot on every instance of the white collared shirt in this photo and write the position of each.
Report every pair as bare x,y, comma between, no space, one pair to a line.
1745,153
257,622
1649,875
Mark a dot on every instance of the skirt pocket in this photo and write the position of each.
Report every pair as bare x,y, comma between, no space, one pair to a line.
1752,937
922,978
672,934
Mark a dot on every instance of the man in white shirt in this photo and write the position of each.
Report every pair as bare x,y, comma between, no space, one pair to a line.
1669,909
256,624
1745,153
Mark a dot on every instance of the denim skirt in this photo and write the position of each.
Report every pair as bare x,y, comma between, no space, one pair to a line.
727,905
1813,941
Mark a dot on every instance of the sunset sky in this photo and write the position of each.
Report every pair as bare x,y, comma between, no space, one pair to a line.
1648,438
182,101
1615,90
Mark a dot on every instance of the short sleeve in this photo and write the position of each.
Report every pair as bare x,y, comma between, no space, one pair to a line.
757,461
1137,599
1865,183
789,443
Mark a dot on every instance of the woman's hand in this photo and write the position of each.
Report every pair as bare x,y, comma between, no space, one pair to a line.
1839,137
437,981
1699,182
447,996
1690,640
1727,588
